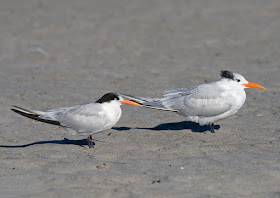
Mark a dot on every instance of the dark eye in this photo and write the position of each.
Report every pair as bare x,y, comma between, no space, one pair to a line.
237,80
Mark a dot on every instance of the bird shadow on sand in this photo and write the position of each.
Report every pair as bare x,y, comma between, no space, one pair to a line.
65,141
175,126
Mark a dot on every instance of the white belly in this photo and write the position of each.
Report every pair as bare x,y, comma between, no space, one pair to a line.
236,100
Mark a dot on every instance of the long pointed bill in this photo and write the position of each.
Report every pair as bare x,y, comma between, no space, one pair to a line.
254,85
130,102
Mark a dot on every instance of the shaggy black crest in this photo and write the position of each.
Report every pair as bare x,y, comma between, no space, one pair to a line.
227,74
108,97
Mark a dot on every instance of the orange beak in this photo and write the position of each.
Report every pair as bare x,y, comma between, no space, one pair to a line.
254,85
130,102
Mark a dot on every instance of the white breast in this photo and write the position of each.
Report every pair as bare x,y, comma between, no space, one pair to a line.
113,113
90,118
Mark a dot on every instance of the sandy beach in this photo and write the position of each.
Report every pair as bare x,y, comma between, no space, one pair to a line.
59,53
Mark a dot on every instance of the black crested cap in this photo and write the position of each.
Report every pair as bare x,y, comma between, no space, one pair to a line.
227,74
108,97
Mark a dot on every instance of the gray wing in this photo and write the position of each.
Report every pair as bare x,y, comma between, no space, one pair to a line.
179,90
83,118
203,100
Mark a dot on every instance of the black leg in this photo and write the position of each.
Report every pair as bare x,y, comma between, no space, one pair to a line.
90,143
212,128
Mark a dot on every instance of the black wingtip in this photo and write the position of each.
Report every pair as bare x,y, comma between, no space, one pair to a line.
24,110
36,117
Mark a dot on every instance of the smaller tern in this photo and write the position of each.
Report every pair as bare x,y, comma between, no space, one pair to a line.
205,103
84,119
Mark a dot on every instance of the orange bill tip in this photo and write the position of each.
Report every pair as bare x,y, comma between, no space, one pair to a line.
254,85
130,102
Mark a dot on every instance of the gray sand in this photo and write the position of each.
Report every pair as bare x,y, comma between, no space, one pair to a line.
57,53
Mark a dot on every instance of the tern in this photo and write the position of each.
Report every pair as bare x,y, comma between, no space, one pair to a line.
205,103
84,119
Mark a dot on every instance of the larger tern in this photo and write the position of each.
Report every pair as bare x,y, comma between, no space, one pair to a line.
85,119
205,103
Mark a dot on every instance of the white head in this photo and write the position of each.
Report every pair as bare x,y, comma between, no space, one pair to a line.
239,79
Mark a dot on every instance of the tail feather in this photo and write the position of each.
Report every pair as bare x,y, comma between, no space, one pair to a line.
23,110
33,115
134,99
153,103
39,113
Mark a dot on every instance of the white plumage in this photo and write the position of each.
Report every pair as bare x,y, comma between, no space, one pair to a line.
205,103
85,119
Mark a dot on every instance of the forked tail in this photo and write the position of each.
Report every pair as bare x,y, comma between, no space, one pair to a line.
33,115
153,103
